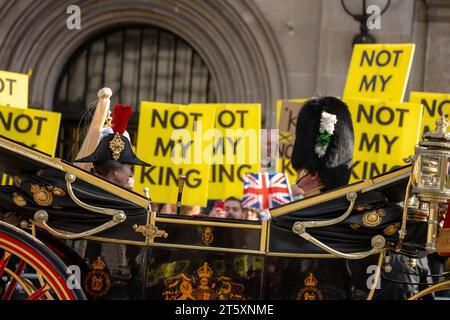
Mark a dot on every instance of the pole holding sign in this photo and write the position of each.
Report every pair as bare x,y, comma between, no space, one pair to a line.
14,89
379,71
385,134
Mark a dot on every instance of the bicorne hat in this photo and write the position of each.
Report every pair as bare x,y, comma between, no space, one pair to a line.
324,141
116,146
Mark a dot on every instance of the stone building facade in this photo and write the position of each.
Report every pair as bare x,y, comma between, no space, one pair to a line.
255,50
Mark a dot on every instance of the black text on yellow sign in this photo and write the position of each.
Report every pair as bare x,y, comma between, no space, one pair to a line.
170,137
434,105
385,134
13,89
35,128
379,71
235,148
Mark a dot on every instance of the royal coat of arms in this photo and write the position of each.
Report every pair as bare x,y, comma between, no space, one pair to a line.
203,286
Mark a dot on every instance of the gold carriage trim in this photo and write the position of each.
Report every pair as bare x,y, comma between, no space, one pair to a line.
57,192
390,230
19,199
41,195
182,286
373,218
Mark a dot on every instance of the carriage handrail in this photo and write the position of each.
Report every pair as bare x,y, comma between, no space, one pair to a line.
351,196
118,216
41,218
378,243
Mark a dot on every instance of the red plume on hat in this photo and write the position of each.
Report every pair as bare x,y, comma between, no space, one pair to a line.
121,116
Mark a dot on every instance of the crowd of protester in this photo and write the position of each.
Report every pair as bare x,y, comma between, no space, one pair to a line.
230,208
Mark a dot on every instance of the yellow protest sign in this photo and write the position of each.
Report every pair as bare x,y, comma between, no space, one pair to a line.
36,128
385,134
287,112
379,71
13,89
5,180
434,104
236,148
174,139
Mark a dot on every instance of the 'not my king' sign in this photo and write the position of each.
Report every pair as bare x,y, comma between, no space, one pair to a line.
379,71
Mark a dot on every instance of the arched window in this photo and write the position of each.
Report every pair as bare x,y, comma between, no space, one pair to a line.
138,63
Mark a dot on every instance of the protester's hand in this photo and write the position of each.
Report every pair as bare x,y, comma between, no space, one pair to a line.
218,213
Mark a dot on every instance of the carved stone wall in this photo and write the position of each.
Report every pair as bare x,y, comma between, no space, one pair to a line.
257,50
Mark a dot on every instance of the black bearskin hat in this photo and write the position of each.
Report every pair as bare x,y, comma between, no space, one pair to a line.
116,146
335,162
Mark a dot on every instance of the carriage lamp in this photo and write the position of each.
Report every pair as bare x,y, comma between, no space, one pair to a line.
357,9
430,178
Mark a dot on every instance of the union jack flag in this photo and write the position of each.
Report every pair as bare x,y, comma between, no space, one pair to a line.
266,190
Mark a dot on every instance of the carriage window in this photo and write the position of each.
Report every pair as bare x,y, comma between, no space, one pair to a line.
137,63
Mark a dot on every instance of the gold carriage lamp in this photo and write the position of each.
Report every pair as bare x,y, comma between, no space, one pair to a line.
430,178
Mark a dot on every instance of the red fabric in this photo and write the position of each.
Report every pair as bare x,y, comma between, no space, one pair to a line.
120,118
446,226
447,218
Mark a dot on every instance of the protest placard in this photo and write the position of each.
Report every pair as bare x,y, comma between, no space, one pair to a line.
174,139
288,111
385,134
36,128
13,89
236,148
434,105
379,71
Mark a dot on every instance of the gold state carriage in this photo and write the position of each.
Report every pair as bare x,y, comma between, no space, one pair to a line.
68,234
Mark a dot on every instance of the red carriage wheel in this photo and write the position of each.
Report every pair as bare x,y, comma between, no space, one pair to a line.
20,251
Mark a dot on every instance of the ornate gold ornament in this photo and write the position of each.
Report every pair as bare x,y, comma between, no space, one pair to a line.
207,236
390,230
355,226
116,145
362,207
41,195
150,231
373,218
97,282
310,291
19,200
181,287
57,192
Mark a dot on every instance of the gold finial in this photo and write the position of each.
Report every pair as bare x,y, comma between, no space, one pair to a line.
104,93
441,129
